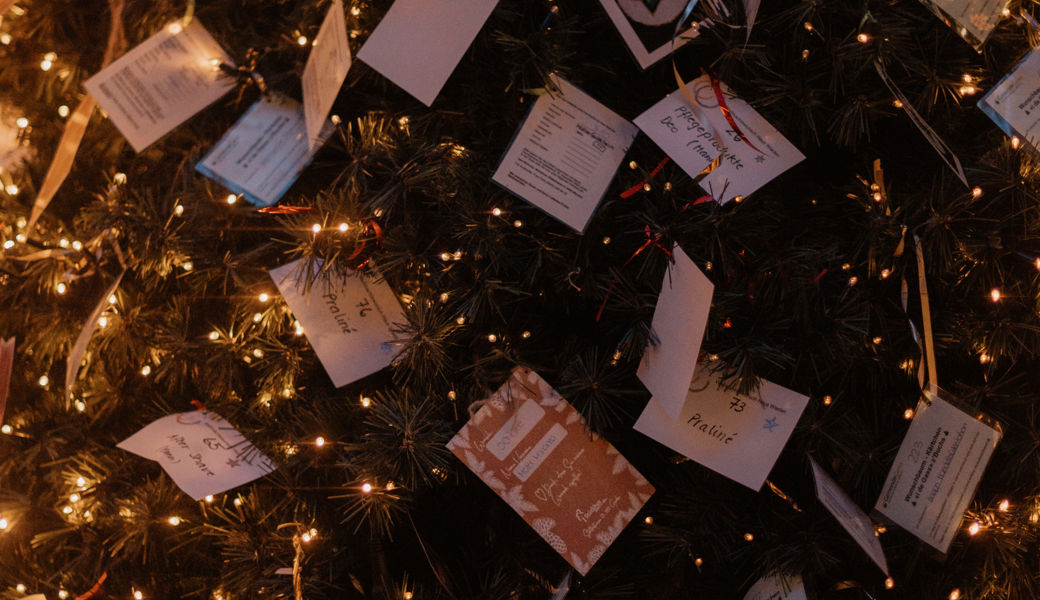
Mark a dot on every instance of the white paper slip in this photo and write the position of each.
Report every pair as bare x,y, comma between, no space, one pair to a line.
739,436
973,20
6,366
326,69
679,321
777,587
851,517
264,152
161,83
201,452
936,471
1014,103
648,32
695,135
420,42
351,323
565,154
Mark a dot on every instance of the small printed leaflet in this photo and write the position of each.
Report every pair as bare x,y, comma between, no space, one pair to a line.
6,365
261,156
648,27
936,472
161,83
565,154
777,587
973,20
694,136
326,69
200,451
736,435
1014,103
530,446
851,517
420,42
678,325
351,322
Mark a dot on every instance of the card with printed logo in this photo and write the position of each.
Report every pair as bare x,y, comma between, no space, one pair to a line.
530,446
1014,103
352,323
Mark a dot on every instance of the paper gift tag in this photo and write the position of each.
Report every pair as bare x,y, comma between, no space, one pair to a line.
973,20
850,516
695,135
264,152
6,366
530,446
936,472
419,42
739,436
349,322
777,587
648,32
565,154
679,321
1014,103
200,451
161,83
326,69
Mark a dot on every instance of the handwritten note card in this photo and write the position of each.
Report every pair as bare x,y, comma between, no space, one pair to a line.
326,69
1014,103
6,365
679,321
732,434
973,20
351,323
648,27
530,446
200,451
850,516
161,83
777,587
565,155
420,42
694,135
264,152
936,471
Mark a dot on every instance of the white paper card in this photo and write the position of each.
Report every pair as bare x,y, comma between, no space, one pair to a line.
326,69
695,135
777,587
679,321
850,516
6,366
1014,103
565,154
201,452
938,467
648,33
265,151
161,83
350,323
973,20
420,42
739,436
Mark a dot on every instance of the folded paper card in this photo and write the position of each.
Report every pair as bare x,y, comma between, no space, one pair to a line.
851,517
648,28
352,322
531,447
1014,103
161,83
565,154
938,467
973,20
777,587
678,327
739,436
201,452
326,69
695,135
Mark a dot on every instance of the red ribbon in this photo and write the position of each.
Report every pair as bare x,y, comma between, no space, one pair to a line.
198,405
372,228
725,109
94,591
284,209
650,240
635,188
701,200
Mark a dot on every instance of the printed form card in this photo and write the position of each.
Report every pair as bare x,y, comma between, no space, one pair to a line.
161,83
648,26
326,69
265,151
936,472
851,517
565,154
1014,103
739,436
531,447
679,321
694,135
351,323
200,451
777,587
6,367
973,20
420,42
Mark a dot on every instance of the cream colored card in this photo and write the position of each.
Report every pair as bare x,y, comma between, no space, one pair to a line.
326,69
849,515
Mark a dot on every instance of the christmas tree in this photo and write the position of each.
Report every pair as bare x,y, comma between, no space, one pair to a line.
164,274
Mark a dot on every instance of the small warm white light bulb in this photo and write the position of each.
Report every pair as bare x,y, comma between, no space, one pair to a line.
496,211
43,380
74,497
20,587
174,29
908,414
63,111
492,338
1005,504
11,189
366,402
188,265
231,198
146,370
316,228
302,40
62,594
749,537
80,405
214,335
3,523
21,122
238,502
209,499
257,317
178,210
175,521
355,10
319,441
995,294
5,38
10,244
264,297
306,537
366,487
45,65
461,320
343,227
863,38
119,178
138,595
890,583
6,429
81,483
1015,142
112,299
976,192
77,245
955,594
67,510
974,528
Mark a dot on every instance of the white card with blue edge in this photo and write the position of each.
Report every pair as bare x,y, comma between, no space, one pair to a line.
1014,103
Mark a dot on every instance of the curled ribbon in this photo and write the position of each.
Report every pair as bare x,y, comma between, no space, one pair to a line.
724,108
284,209
654,240
95,590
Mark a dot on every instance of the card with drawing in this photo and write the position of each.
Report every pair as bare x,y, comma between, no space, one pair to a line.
648,27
